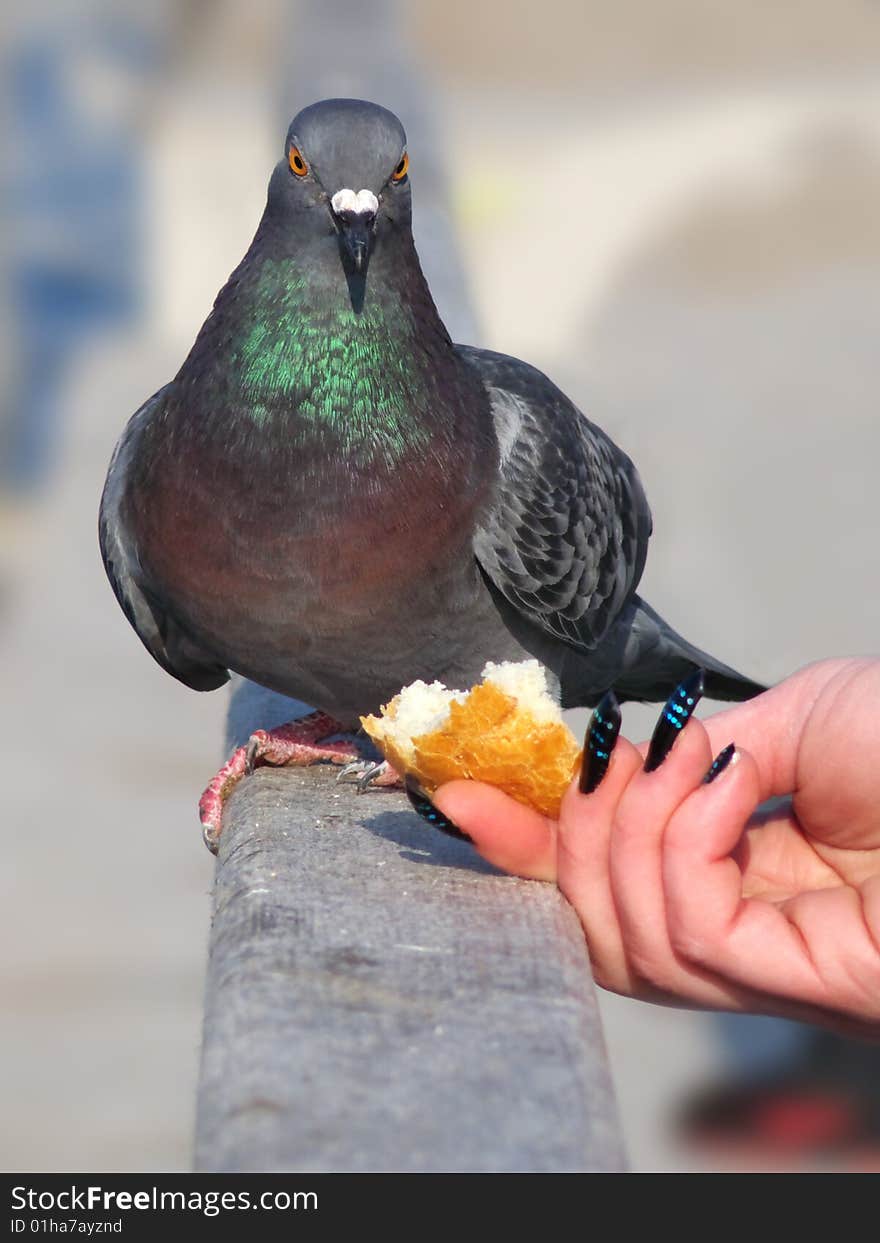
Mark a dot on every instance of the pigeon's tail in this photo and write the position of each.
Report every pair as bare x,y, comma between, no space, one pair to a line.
661,658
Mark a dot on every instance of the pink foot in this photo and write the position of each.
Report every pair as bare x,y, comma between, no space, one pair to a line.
296,743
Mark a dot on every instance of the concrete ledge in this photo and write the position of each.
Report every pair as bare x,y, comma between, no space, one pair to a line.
379,999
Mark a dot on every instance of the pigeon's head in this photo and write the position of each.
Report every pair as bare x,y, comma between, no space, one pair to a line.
344,173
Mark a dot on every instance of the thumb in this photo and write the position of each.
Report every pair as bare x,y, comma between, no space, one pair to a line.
507,834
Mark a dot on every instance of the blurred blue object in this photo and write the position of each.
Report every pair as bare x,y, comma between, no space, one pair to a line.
72,208
756,1043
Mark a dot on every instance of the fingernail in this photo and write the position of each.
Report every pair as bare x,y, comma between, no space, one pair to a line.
676,713
722,760
599,742
426,809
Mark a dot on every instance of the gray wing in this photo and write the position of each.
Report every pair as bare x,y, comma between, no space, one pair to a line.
566,539
160,634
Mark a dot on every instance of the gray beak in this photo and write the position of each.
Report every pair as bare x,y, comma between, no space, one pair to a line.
355,217
357,239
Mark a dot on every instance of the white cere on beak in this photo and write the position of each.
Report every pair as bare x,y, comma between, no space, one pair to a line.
362,203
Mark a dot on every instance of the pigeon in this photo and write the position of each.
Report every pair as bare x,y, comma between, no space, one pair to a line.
333,499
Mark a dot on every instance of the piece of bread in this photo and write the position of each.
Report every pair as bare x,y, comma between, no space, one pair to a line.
507,731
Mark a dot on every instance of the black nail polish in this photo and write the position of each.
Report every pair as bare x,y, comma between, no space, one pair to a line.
599,742
721,761
676,713
426,809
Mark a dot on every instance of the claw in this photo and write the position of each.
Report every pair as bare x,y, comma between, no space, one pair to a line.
367,778
250,755
370,773
356,766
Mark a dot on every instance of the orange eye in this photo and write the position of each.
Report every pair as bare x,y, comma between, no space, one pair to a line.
402,168
296,162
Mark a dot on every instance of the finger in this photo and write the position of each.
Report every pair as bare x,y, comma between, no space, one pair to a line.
586,828
584,834
507,834
702,883
636,871
837,795
772,725
635,865
711,926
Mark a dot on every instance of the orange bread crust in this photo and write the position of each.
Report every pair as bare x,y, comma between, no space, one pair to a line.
488,737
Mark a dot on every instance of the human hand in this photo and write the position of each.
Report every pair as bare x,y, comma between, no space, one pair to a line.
690,896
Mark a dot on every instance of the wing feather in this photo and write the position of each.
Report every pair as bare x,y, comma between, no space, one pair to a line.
566,539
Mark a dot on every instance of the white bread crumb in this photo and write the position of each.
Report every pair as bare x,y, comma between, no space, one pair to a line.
526,682
422,707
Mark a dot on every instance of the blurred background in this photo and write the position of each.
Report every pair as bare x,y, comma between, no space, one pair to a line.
672,208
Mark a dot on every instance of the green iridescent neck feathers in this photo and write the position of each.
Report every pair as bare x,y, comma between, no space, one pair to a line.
314,360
